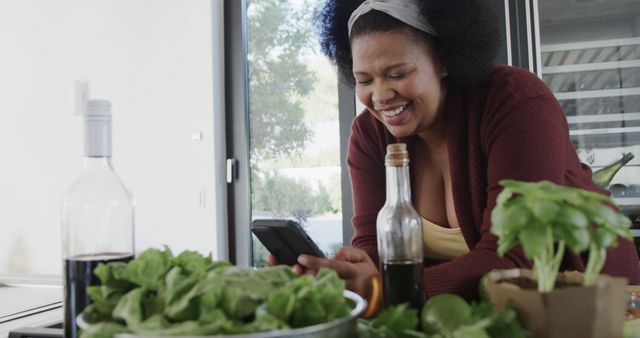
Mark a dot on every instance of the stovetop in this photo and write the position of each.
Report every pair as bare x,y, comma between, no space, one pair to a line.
54,331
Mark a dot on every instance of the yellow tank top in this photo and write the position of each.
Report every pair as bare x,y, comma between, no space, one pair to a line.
441,242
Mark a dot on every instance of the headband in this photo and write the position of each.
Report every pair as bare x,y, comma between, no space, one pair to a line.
406,11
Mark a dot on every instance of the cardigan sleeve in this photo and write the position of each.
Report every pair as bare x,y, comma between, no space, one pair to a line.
527,139
366,171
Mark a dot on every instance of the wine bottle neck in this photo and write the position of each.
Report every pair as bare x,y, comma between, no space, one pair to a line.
97,163
397,182
97,138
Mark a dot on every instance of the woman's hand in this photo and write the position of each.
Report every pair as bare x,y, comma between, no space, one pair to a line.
273,261
353,265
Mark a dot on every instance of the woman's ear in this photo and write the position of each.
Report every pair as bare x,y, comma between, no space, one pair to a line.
443,68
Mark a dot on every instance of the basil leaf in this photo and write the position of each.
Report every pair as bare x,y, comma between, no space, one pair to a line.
544,210
509,219
603,237
572,216
506,243
577,239
504,196
622,226
534,240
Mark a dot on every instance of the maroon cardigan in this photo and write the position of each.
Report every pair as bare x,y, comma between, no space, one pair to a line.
509,127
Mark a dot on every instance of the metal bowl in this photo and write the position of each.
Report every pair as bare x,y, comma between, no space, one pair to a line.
339,328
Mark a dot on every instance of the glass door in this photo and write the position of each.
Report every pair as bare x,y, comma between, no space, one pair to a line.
294,142
590,57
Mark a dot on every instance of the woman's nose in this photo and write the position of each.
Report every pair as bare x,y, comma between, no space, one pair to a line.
382,93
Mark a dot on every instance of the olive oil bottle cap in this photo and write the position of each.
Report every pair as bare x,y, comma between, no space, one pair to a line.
397,155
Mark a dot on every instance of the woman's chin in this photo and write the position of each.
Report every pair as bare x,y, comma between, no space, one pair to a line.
400,131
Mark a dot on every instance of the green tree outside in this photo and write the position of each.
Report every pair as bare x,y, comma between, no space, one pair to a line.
279,34
287,93
280,84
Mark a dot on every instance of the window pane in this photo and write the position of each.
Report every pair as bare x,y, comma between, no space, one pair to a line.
293,105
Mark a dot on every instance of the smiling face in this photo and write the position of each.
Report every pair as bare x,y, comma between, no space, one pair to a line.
399,78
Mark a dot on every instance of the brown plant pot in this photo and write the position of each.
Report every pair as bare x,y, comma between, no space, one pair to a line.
569,311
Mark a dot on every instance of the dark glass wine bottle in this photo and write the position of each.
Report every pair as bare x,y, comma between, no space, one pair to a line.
400,241
97,216
604,176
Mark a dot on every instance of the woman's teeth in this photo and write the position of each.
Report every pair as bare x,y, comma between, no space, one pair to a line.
393,112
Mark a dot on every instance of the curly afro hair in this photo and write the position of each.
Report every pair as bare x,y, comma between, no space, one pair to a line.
468,35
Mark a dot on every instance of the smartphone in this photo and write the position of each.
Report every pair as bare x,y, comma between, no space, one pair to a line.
285,239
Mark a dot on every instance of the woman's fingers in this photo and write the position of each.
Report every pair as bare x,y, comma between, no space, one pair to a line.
351,255
352,265
312,262
299,270
272,260
344,269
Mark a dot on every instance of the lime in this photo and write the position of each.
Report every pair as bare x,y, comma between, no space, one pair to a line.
444,314
631,328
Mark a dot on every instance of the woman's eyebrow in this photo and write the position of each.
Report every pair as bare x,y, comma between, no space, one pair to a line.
397,65
386,69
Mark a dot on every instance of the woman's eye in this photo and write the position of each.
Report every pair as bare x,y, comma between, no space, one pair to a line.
397,75
363,81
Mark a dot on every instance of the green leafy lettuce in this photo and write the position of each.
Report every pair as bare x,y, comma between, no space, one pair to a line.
190,294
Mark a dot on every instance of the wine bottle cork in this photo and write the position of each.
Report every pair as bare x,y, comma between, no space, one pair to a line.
397,155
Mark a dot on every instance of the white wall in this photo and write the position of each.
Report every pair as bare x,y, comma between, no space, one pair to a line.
153,60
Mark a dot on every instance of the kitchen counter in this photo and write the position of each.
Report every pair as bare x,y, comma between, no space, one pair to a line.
29,301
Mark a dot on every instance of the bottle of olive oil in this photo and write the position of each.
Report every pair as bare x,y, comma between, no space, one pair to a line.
604,176
400,241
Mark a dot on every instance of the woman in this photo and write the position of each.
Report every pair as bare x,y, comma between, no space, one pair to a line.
423,70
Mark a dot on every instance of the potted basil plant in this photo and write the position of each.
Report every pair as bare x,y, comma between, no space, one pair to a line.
546,220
